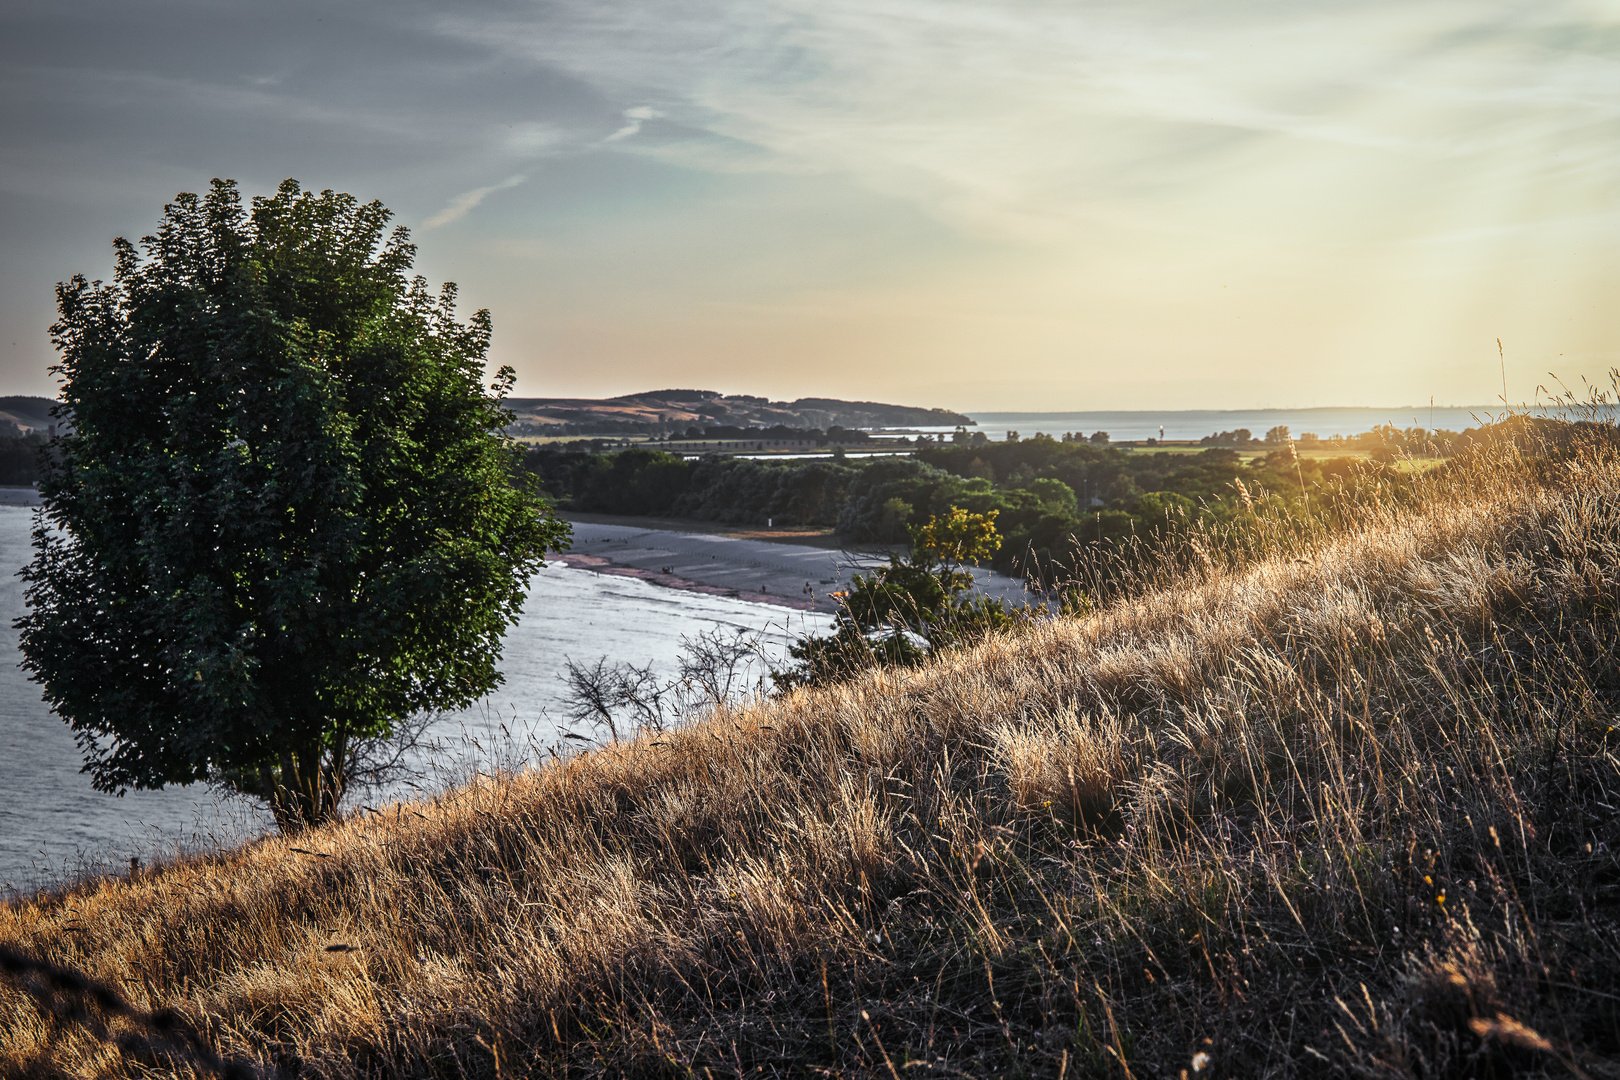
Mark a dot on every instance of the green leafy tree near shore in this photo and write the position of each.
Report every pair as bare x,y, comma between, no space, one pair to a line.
914,603
284,520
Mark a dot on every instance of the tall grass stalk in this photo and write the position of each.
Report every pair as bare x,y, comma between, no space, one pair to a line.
1341,800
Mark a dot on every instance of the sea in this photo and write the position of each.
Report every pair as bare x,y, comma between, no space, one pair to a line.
1139,424
1195,424
54,826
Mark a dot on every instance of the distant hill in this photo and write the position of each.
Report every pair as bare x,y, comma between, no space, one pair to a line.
679,408
643,412
27,412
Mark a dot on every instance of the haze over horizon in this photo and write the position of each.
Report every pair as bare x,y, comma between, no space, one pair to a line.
985,206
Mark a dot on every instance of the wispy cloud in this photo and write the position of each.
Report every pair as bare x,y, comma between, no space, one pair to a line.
459,206
909,185
1022,118
634,118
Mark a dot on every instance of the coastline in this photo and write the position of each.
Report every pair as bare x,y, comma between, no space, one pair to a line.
802,535
775,567
600,565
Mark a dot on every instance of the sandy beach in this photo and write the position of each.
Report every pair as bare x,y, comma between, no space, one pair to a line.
787,574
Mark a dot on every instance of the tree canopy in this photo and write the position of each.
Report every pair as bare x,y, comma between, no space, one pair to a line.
911,604
284,519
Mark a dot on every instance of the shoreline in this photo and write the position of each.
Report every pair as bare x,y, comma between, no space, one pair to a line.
599,565
802,535
768,567
777,568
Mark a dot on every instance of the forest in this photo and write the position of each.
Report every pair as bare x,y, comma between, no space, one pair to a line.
1051,495
19,456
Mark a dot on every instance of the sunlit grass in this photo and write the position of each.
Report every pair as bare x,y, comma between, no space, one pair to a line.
1347,802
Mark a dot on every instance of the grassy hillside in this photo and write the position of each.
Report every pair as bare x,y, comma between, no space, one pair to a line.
1344,807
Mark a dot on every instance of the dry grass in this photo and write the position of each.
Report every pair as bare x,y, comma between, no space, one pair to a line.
1348,809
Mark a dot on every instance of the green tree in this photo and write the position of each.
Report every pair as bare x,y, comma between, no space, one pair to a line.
956,538
284,520
896,512
1165,509
1055,495
910,605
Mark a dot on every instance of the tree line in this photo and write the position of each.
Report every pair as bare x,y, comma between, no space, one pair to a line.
19,456
1050,496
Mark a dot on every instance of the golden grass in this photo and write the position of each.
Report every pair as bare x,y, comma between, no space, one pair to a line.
1350,807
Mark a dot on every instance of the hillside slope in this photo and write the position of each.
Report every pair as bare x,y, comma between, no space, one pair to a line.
1350,809
28,413
674,410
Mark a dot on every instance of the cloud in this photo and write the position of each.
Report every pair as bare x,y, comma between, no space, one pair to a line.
467,200
1093,164
636,116
1024,120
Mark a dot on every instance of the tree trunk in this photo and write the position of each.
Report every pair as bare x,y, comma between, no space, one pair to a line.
308,786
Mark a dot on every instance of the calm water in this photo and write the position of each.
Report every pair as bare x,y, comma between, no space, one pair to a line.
1131,426
1142,424
51,820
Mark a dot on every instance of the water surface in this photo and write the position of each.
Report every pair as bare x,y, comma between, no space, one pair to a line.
1195,424
52,821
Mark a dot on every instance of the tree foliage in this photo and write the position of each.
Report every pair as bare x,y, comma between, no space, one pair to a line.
956,538
907,606
283,521
714,487
1057,501
19,456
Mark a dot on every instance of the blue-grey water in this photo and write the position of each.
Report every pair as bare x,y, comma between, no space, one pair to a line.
1195,424
1135,425
52,823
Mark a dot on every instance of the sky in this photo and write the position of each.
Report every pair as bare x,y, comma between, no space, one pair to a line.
977,204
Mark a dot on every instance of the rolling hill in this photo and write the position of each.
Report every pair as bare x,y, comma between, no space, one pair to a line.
677,409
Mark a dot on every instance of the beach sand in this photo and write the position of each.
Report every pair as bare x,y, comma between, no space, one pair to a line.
783,570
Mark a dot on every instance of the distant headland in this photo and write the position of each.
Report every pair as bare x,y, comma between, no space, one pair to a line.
658,410
27,412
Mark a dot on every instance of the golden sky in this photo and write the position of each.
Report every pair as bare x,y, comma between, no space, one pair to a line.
980,205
